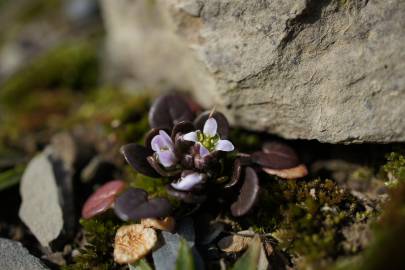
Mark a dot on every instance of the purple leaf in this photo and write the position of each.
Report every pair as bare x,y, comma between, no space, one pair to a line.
276,155
134,204
248,195
136,156
168,110
185,196
155,164
182,128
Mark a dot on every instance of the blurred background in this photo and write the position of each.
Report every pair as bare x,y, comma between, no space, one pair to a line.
59,85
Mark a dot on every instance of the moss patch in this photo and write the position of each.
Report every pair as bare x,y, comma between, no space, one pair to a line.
97,253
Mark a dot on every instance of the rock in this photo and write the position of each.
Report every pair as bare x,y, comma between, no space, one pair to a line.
235,243
81,12
357,237
13,256
74,153
185,228
325,70
47,199
164,258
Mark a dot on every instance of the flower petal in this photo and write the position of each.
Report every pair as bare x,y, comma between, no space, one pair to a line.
203,151
187,182
161,141
167,158
210,127
157,143
224,145
166,138
191,136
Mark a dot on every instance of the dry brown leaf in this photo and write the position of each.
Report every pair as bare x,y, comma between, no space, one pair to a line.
292,173
166,224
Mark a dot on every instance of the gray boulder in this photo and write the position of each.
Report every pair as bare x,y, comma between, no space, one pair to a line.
326,70
13,256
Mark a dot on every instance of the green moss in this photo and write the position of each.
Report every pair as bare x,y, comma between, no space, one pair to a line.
46,90
395,168
66,67
97,253
11,177
305,217
35,8
245,141
154,186
386,250
122,114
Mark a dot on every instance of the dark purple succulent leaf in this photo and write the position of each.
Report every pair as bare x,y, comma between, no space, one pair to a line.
236,174
155,164
181,147
185,196
248,195
276,155
168,110
187,161
149,136
245,159
136,156
210,161
129,200
153,208
133,204
182,128
222,122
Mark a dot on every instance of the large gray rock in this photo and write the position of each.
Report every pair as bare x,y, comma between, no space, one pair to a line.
47,199
13,256
311,69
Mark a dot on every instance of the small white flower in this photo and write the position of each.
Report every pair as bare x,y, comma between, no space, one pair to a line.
209,140
163,146
188,180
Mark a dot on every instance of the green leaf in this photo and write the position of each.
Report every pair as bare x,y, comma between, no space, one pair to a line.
10,177
250,260
140,265
185,259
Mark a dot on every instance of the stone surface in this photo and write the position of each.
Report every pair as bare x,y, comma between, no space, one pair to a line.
328,70
235,243
164,258
13,256
47,198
